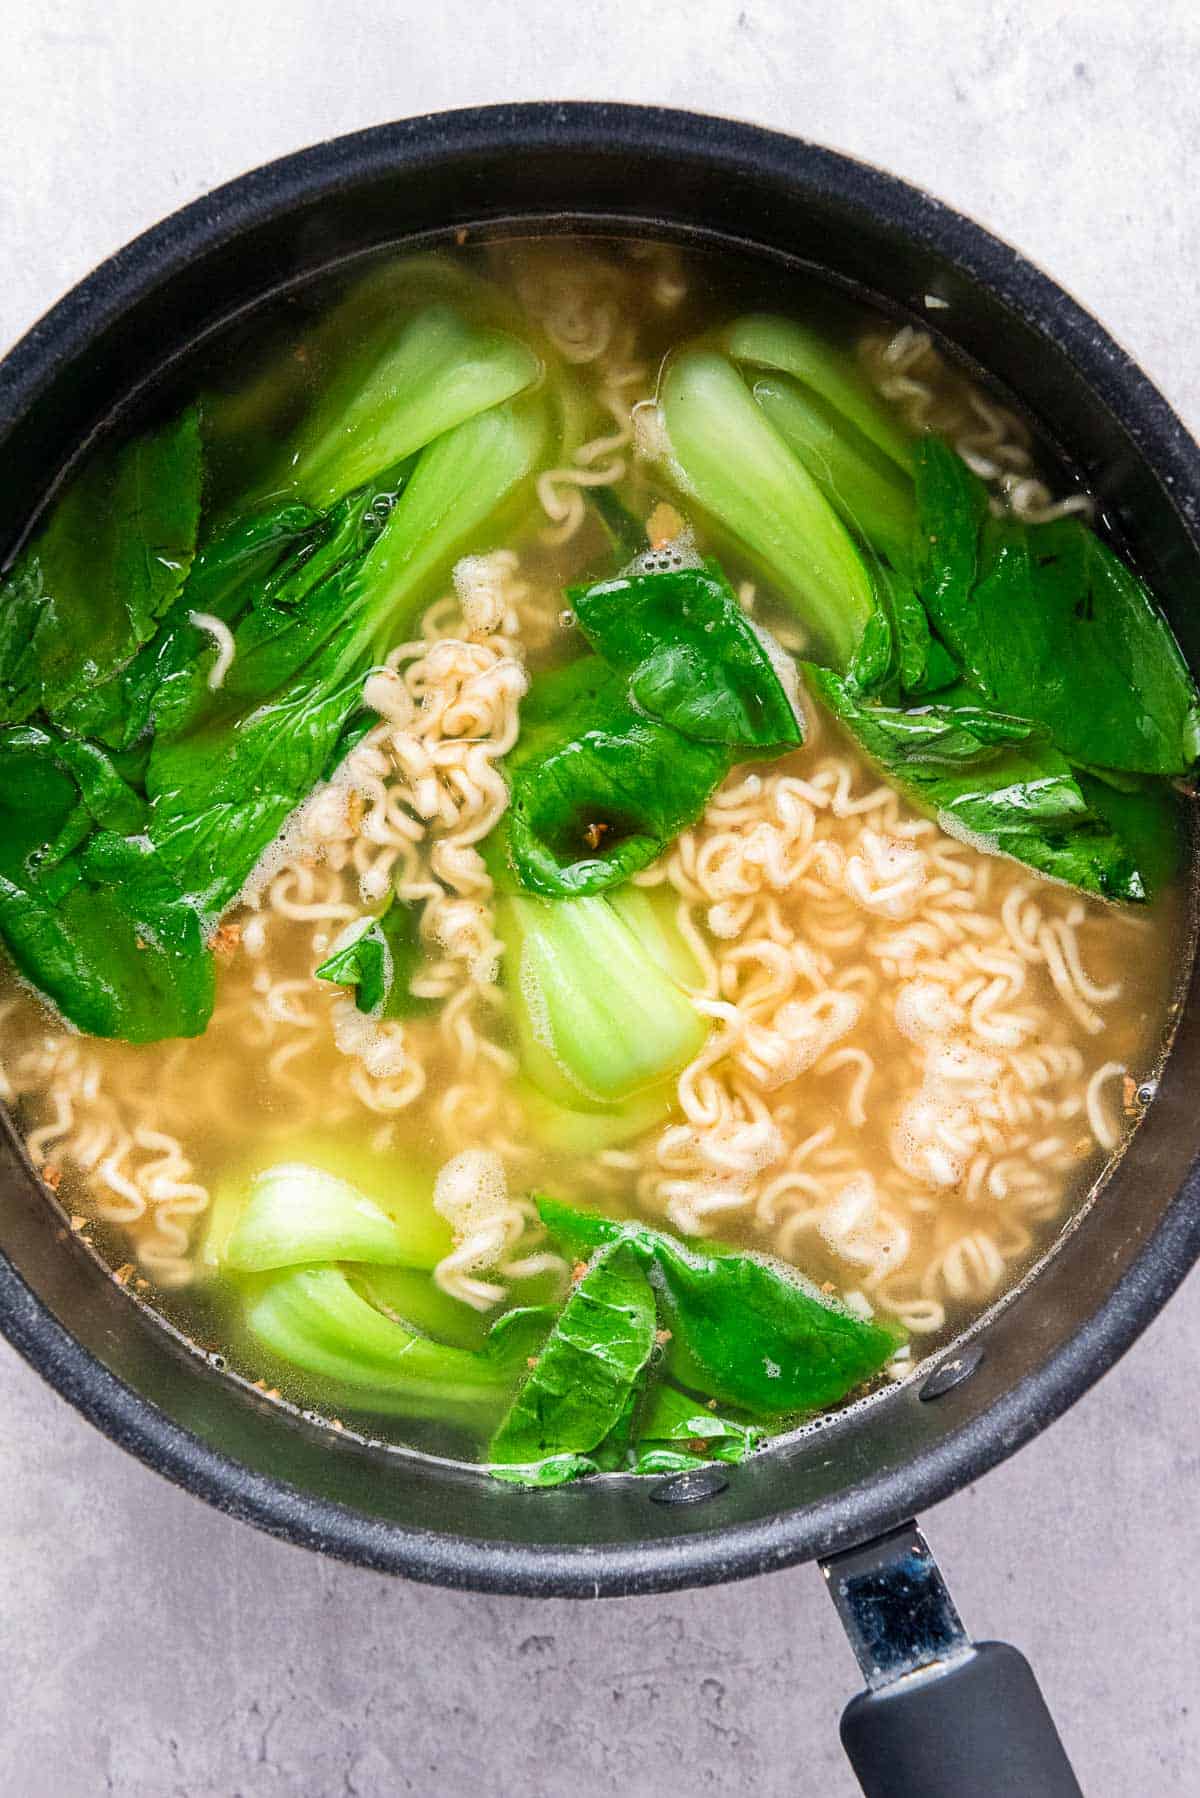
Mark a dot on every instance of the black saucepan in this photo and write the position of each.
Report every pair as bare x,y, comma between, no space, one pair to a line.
699,180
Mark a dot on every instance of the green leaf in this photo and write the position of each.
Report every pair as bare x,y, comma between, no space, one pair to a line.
745,1331
767,340
222,791
941,671
871,663
598,789
406,386
580,1234
952,503
296,1214
91,587
310,594
676,1432
165,687
88,912
939,734
1048,623
576,1394
621,751
868,491
359,725
598,1020
107,914
751,1334
624,531
691,656
1147,818
615,1453
733,462
991,780
923,665
313,1319
226,770
379,960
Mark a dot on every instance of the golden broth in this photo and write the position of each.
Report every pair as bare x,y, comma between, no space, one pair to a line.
921,1057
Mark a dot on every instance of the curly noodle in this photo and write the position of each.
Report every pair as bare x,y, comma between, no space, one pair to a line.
849,937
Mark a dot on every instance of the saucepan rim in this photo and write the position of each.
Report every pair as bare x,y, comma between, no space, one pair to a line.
724,148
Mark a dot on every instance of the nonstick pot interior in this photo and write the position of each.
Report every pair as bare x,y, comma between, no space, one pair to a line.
604,167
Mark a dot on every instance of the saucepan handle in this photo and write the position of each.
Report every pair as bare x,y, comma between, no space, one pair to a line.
975,1727
943,1717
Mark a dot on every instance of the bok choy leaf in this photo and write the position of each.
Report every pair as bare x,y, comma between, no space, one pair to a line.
744,1330
296,1214
1049,624
869,493
766,340
620,751
572,1131
314,1320
378,959
93,584
676,1432
221,792
733,462
580,1386
992,781
598,789
403,390
598,1019
166,685
90,912
691,657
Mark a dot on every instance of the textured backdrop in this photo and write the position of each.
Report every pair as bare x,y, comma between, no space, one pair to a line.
152,1649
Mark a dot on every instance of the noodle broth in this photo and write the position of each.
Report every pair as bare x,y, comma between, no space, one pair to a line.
920,1057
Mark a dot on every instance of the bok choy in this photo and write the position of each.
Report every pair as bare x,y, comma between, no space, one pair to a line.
931,621
732,461
436,372
150,780
599,1020
337,1286
313,1319
743,1330
221,793
660,1356
93,584
651,1324
622,749
378,958
295,1214
766,340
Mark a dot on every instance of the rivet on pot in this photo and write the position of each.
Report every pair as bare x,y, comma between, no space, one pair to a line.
952,1371
690,1488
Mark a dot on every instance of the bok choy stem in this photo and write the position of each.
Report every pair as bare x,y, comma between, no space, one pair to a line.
733,461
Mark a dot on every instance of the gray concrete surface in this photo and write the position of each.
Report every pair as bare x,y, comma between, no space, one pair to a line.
154,1650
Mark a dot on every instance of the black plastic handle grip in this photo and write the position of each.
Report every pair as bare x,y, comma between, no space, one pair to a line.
973,1726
